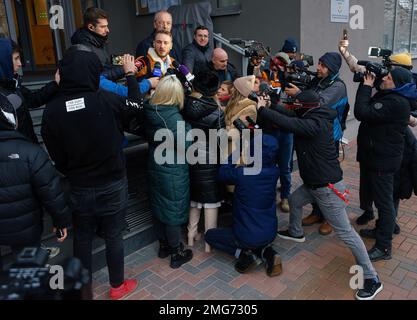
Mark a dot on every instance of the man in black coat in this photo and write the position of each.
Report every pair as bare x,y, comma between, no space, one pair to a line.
95,35
221,66
198,53
19,96
322,177
28,183
83,131
384,118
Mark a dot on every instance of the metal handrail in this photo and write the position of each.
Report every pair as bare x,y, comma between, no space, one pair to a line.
220,40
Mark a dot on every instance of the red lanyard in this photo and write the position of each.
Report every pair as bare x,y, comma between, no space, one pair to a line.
342,196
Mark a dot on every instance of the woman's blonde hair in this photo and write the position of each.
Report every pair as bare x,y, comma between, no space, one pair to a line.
234,100
169,91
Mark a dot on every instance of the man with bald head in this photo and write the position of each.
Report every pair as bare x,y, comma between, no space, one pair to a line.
220,64
162,21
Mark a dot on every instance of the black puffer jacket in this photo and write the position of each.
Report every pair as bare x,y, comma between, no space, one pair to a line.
405,180
383,118
28,182
314,143
204,113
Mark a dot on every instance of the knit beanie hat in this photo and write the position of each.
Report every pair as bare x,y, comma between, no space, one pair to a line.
290,45
401,76
402,58
207,83
245,85
8,117
332,60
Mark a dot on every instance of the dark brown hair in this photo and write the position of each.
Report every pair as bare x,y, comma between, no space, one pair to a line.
92,15
200,28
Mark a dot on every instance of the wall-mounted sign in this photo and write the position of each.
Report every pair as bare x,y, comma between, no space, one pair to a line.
339,11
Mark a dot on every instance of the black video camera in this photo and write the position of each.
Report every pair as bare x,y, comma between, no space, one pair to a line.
253,49
300,79
31,278
379,69
376,68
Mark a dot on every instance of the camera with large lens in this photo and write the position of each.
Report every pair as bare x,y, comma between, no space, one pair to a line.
299,79
31,278
376,68
380,70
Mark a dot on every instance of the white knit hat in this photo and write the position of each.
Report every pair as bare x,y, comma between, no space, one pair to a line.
245,85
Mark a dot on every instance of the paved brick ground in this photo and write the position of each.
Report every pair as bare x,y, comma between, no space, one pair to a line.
317,269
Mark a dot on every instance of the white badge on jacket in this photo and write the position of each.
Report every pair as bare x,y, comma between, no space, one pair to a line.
74,105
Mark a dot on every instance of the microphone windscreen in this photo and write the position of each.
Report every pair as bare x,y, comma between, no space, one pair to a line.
184,70
175,64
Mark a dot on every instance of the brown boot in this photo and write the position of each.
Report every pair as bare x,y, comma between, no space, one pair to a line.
310,220
325,229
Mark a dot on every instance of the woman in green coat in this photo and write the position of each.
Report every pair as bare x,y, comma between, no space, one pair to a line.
169,184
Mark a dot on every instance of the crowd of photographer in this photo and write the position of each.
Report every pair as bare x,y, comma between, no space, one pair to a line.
94,101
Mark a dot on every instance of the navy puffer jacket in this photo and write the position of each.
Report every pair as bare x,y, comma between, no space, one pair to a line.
255,220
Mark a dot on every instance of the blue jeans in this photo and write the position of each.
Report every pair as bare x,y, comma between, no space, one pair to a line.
101,208
286,141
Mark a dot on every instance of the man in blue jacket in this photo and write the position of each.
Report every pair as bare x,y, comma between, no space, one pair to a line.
254,213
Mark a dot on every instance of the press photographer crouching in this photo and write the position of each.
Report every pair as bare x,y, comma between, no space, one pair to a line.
254,207
384,118
322,176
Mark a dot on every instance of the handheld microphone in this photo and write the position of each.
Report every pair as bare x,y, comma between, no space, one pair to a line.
183,74
140,63
157,72
252,123
188,75
239,124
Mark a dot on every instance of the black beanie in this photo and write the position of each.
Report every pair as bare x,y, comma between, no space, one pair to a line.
207,83
332,60
290,46
8,118
401,76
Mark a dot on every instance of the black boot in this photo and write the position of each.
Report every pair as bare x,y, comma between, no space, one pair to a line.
397,229
365,218
179,256
164,249
247,262
273,264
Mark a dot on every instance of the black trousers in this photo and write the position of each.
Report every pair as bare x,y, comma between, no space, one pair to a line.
167,233
104,209
380,188
365,191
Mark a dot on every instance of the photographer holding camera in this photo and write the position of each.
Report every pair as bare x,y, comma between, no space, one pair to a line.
402,59
384,118
333,95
